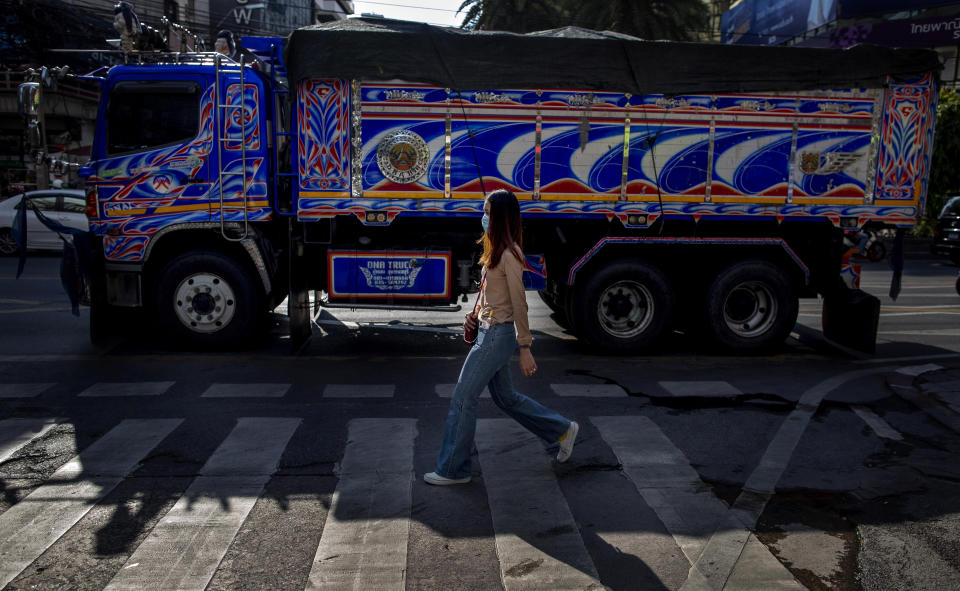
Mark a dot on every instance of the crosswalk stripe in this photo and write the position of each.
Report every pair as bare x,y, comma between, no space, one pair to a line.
673,489
184,549
446,391
358,391
538,541
364,540
23,390
17,433
700,388
246,391
879,426
102,389
589,390
31,526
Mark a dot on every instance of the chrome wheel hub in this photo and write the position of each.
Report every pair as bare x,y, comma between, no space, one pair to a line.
204,303
750,309
625,309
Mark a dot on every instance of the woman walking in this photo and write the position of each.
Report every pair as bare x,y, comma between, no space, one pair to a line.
503,326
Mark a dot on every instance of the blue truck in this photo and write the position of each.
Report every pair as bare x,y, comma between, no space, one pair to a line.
663,185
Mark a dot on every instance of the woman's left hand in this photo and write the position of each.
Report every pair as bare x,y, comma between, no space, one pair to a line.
527,365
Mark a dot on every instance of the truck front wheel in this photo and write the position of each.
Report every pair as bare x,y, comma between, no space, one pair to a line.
207,299
750,306
624,306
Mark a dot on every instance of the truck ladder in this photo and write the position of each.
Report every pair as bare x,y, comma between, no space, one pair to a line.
221,121
281,93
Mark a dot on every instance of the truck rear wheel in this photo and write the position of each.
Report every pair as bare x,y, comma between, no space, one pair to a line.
208,299
624,306
750,306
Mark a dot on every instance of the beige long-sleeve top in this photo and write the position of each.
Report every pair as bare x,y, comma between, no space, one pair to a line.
503,298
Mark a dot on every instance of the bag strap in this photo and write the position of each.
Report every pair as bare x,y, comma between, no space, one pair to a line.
479,291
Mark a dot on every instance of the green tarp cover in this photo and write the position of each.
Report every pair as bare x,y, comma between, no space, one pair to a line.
574,58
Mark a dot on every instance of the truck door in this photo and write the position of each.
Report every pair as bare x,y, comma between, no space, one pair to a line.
151,158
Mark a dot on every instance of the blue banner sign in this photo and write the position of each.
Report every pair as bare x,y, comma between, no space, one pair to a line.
768,22
371,275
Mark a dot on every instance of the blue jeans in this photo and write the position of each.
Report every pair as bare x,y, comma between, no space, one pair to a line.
488,364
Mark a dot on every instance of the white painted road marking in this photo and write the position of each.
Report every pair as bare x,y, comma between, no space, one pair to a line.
917,370
913,358
940,332
358,391
184,549
589,390
703,388
23,390
719,558
31,526
690,511
364,540
446,391
15,434
879,426
127,389
538,541
246,391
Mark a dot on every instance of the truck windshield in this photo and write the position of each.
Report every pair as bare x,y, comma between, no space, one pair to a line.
148,114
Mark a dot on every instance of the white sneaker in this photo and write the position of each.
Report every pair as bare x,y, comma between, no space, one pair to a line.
567,441
434,478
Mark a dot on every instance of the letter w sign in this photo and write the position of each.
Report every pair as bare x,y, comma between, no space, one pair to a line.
242,14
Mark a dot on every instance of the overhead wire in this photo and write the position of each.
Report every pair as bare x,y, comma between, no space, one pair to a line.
201,18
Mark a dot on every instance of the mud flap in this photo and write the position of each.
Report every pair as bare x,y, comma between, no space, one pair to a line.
850,318
298,301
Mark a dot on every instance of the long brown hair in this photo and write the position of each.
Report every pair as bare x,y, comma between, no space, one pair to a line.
504,231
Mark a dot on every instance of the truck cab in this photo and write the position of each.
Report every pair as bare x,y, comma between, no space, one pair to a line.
179,171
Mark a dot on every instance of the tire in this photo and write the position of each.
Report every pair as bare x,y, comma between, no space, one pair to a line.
876,251
958,285
8,246
207,299
559,312
624,306
750,307
104,326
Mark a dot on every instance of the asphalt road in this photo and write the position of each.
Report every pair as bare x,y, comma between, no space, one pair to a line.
809,467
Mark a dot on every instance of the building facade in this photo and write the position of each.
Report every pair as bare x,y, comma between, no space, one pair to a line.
27,40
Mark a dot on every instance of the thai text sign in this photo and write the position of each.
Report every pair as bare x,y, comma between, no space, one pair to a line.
388,274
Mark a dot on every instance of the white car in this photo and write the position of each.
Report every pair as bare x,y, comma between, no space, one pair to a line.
63,205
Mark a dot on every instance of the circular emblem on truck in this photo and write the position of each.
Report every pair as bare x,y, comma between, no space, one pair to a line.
403,156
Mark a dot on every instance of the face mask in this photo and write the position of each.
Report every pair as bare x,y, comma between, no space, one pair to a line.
485,222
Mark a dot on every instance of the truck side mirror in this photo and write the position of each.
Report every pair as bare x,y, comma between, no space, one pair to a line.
28,99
